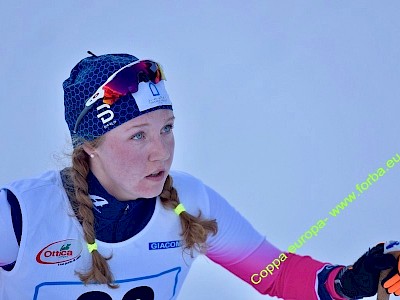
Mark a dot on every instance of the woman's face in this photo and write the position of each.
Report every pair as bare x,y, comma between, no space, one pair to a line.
134,158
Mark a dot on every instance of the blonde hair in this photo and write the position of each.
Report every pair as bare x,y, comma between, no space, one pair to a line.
195,230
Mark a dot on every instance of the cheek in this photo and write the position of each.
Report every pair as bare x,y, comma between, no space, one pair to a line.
131,159
122,159
171,146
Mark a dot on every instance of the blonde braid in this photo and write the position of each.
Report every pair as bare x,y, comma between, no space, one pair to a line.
195,230
82,205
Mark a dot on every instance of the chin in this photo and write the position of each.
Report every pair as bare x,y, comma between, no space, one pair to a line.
153,189
154,192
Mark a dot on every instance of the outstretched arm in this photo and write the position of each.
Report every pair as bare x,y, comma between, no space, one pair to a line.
239,248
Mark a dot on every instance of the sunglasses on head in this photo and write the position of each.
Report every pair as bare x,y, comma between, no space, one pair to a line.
125,80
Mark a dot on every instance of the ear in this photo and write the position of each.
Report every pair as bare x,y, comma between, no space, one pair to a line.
88,149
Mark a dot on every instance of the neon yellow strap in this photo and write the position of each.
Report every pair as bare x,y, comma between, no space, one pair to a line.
179,209
92,247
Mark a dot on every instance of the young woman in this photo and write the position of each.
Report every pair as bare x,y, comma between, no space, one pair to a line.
119,224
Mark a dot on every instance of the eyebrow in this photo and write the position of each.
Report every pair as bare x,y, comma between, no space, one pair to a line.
147,124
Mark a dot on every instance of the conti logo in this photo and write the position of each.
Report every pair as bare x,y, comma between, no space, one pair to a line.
61,252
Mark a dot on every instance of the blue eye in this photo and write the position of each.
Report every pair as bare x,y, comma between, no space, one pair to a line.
168,128
138,136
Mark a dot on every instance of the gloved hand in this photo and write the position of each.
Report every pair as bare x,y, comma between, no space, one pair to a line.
392,282
361,279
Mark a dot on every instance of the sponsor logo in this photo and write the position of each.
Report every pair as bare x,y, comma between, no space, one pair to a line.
151,95
61,252
154,89
157,98
106,115
98,202
392,244
164,245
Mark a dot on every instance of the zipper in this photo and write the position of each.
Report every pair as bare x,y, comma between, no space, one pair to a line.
123,212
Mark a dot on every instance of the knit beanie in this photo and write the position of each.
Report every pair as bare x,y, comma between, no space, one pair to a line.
88,122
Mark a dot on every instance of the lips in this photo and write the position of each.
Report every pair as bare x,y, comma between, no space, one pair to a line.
156,174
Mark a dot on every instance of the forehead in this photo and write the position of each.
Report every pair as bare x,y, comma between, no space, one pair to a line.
159,116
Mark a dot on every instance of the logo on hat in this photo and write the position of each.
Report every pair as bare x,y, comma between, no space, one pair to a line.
106,116
108,112
154,89
150,95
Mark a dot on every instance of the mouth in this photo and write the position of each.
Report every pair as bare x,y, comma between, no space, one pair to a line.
156,175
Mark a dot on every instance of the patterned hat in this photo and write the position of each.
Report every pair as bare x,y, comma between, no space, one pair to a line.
86,78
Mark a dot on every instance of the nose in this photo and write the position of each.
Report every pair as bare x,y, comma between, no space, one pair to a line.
160,149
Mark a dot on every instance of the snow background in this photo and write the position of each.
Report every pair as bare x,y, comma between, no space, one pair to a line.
281,106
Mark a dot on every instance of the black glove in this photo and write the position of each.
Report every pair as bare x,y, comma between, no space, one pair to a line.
361,279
